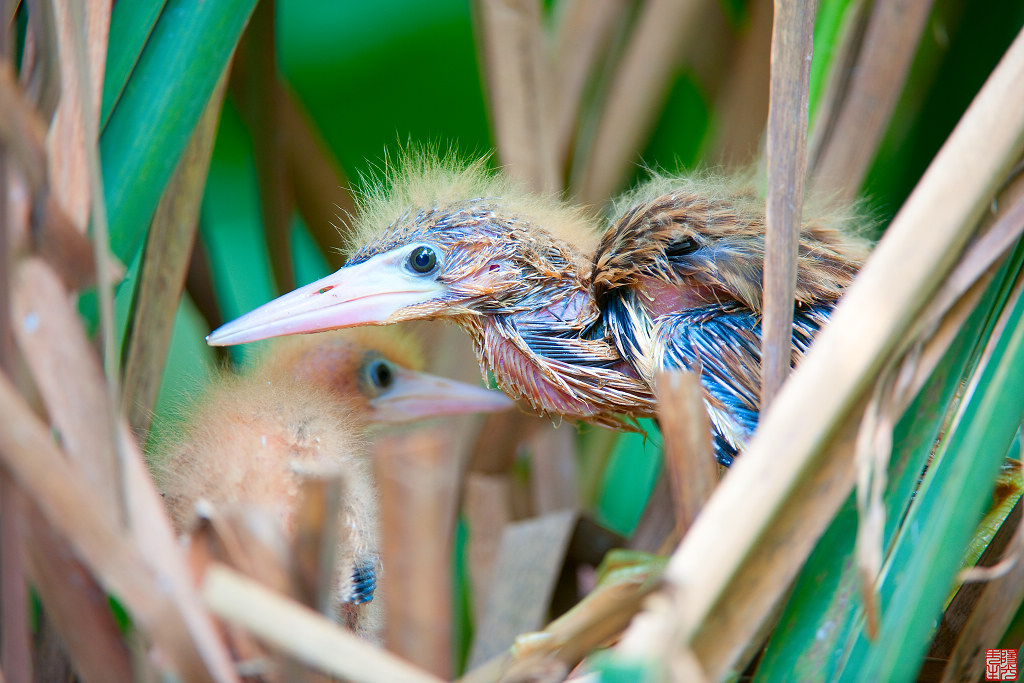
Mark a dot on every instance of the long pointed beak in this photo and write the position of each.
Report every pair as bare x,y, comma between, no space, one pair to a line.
417,396
367,293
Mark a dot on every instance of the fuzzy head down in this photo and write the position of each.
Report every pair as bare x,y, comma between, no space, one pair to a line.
706,233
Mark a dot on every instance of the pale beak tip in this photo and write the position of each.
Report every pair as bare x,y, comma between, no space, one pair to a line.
215,338
228,334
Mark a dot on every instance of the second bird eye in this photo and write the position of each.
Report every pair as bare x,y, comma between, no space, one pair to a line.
380,375
422,260
682,247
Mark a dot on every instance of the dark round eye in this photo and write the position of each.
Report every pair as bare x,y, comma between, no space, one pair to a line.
380,374
682,247
422,260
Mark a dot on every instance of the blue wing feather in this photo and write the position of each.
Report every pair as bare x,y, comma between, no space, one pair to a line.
364,583
722,344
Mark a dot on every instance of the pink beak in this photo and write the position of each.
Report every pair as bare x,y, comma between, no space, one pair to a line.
368,293
417,396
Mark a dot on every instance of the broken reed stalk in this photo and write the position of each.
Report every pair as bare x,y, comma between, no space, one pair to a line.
633,99
792,45
584,30
69,378
529,559
74,605
553,473
416,476
742,101
163,270
86,36
81,34
592,622
689,458
863,108
692,473
791,493
261,104
486,507
872,455
68,374
518,80
119,562
301,632
999,232
15,637
939,321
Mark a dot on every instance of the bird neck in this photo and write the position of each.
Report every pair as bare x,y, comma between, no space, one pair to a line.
627,322
545,356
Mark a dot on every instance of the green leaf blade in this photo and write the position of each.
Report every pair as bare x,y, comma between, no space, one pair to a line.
130,26
161,103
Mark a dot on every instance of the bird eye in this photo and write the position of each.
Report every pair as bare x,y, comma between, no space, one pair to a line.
380,375
423,260
682,247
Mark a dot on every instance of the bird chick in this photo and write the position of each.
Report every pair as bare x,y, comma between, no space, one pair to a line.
575,323
378,371
248,445
692,241
678,279
510,268
303,408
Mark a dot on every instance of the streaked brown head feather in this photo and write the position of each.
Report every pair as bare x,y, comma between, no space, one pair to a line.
705,234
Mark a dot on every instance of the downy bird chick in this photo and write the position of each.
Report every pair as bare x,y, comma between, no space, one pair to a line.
678,279
304,408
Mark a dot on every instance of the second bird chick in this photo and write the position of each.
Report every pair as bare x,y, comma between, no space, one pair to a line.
304,408
678,279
